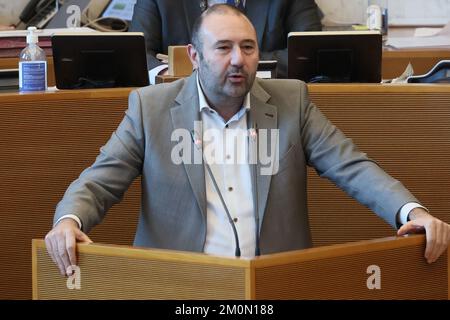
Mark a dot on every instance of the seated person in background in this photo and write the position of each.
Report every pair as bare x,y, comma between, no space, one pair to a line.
211,114
169,22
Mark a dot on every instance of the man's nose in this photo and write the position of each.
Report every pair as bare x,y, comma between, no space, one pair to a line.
237,58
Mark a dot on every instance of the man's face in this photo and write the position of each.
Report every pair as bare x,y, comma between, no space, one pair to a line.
228,58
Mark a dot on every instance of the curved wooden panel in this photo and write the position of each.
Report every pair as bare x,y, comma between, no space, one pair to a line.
45,142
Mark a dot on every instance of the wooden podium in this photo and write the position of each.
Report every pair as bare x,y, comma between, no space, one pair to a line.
387,268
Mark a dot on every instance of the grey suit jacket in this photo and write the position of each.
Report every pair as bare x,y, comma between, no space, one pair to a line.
169,22
173,213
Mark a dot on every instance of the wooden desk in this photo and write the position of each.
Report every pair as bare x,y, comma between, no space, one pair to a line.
395,61
46,139
422,60
166,78
13,63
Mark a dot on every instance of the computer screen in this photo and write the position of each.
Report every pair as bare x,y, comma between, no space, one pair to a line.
99,60
335,56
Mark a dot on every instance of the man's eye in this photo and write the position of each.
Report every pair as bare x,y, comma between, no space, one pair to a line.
248,48
223,48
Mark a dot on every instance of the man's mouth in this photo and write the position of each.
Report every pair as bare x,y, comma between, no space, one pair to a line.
236,77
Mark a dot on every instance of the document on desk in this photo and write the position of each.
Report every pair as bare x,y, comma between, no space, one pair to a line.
419,42
423,38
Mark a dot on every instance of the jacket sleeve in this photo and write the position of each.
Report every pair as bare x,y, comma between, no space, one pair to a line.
104,183
335,157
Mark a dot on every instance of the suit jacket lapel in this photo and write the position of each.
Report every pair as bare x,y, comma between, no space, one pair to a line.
184,113
265,116
254,11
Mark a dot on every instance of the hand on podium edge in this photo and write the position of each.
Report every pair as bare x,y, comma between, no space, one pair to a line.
437,232
61,244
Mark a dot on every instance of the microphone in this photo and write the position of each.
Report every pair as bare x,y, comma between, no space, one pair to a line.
197,142
254,138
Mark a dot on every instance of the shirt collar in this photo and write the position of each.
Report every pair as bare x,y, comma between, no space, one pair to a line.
203,104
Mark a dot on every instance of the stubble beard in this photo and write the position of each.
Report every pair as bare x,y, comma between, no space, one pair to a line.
224,88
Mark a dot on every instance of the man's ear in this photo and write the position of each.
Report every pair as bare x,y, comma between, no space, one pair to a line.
193,55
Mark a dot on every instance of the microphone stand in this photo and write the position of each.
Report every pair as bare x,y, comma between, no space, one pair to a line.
254,166
236,238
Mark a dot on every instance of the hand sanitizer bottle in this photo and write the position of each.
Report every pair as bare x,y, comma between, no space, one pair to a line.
377,16
32,65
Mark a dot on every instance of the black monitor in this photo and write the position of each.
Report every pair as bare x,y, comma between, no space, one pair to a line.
335,57
99,60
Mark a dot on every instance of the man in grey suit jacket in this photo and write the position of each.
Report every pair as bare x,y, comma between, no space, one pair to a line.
169,22
180,205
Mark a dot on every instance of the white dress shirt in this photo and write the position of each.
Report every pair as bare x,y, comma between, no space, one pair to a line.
225,149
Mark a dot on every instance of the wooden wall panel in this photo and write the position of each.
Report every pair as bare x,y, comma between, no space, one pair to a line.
395,62
406,130
45,142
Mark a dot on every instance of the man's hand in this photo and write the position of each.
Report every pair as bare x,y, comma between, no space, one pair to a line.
437,232
61,244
